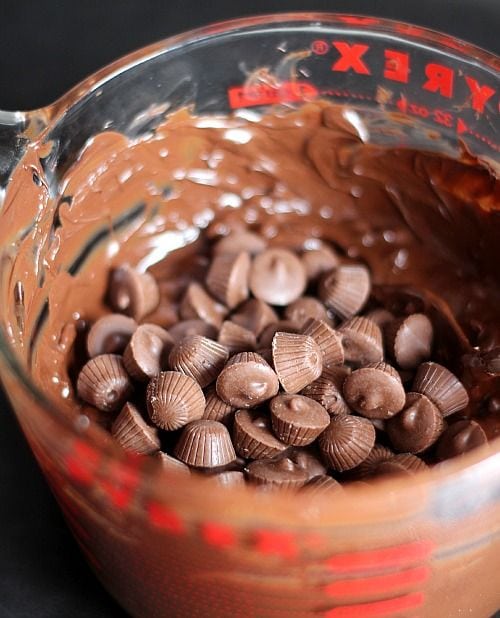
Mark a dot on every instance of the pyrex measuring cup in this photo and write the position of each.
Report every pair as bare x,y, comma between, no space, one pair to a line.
166,545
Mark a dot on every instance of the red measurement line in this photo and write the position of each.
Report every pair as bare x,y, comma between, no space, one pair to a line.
378,583
378,608
380,558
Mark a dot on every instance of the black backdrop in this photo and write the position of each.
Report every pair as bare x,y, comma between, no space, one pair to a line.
45,48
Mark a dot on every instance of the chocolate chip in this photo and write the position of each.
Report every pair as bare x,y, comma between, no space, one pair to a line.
323,484
375,391
346,442
110,334
255,315
240,241
205,444
345,289
236,338
198,357
104,383
132,432
417,426
227,278
145,351
297,360
133,293
305,308
327,393
172,464
188,328
174,399
277,277
216,409
442,387
328,340
253,438
459,438
318,261
282,473
297,420
362,341
198,305
409,340
246,381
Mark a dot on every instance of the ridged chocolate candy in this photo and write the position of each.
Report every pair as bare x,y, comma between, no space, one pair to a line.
205,444
198,357
236,338
328,340
253,437
375,391
267,335
144,355
297,420
132,432
305,308
174,399
104,383
323,484
277,277
188,328
406,464
346,442
297,360
417,426
255,315
110,334
132,292
227,278
328,393
362,341
282,473
345,289
246,381
172,464
442,387
409,340
217,409
198,305
460,438
378,454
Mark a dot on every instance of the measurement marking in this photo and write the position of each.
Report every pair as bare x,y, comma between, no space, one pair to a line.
377,608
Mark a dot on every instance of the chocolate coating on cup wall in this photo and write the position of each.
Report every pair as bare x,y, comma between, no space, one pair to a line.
395,198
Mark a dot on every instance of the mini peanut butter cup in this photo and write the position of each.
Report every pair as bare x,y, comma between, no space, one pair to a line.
305,308
227,278
246,381
188,328
375,391
253,437
255,315
277,277
406,464
199,305
217,409
380,316
328,393
345,289
346,442
205,444
417,426
297,360
297,420
378,454
172,464
132,432
328,340
110,334
307,459
236,338
198,357
318,261
442,387
240,241
267,335
104,383
146,350
409,340
459,438
323,484
174,399
131,292
283,473
362,341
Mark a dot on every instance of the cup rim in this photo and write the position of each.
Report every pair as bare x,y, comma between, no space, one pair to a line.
477,459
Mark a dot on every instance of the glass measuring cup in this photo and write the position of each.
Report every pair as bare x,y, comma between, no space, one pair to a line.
169,546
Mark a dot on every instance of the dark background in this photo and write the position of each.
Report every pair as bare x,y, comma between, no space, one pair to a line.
45,48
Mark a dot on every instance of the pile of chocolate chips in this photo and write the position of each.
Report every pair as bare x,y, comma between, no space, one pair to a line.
273,374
